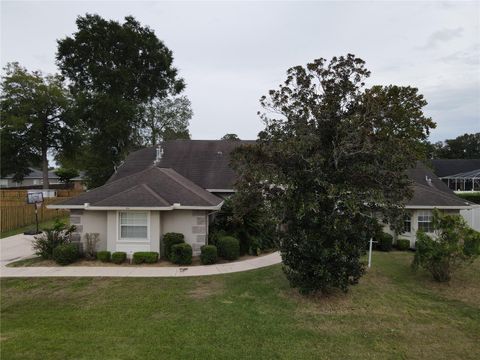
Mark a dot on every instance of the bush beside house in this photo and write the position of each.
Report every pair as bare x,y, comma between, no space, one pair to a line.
104,256
65,254
208,254
403,244
228,248
385,242
170,239
181,254
147,257
119,257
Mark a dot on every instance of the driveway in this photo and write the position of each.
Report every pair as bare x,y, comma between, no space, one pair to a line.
15,247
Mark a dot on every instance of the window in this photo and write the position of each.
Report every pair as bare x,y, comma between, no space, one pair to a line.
407,224
425,221
134,225
3,182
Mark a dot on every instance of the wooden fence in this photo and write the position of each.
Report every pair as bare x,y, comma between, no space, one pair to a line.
16,213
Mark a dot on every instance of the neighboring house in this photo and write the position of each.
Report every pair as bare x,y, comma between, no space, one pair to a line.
458,174
34,178
429,193
177,186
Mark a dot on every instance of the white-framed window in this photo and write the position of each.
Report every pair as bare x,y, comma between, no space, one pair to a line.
133,225
37,182
3,182
425,221
407,224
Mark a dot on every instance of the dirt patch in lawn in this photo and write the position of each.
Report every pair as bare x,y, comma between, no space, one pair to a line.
206,288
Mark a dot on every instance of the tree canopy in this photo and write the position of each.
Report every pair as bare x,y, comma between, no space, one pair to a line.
466,146
332,153
34,120
113,70
230,137
166,119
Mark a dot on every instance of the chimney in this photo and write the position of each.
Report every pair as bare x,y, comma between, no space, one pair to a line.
428,180
159,154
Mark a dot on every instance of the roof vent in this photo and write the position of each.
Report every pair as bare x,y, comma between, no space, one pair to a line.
159,154
219,153
428,180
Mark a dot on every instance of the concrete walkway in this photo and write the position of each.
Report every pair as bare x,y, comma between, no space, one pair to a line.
15,247
19,246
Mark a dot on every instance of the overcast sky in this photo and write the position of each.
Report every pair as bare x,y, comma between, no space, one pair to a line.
232,53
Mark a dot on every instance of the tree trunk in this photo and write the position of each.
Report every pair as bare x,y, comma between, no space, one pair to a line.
45,167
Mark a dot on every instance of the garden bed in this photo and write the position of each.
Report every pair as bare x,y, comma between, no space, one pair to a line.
38,261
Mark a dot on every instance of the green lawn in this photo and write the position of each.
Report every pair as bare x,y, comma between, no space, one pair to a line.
391,314
21,230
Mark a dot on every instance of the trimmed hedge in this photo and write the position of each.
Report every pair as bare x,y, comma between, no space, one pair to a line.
147,257
119,257
228,248
170,239
403,244
104,256
181,254
385,242
65,254
208,254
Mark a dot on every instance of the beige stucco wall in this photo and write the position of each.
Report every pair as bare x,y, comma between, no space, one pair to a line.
191,223
90,222
414,226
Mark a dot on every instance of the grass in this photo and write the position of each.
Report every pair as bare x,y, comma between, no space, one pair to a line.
21,230
392,314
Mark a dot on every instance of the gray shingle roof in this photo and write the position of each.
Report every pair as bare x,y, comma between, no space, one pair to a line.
433,192
152,187
35,174
445,167
205,162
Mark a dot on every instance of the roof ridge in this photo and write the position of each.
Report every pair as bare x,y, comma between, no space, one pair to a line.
150,190
194,191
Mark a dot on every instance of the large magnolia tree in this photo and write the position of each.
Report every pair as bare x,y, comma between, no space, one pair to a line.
332,153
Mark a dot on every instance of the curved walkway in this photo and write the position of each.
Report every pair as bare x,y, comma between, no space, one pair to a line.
8,255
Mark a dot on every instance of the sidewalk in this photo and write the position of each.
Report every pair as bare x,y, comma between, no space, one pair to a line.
87,271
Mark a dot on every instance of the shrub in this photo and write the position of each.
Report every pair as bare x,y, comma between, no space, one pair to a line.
385,242
455,245
50,238
228,248
103,256
65,254
147,257
170,239
403,244
91,240
214,235
119,257
181,254
208,254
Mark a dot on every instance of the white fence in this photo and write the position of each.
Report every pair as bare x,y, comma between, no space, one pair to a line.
472,217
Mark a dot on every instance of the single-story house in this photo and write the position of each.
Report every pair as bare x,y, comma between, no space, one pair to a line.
429,192
176,186
35,179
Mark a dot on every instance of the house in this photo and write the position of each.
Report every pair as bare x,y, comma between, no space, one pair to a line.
35,180
172,188
177,186
458,174
35,177
429,192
